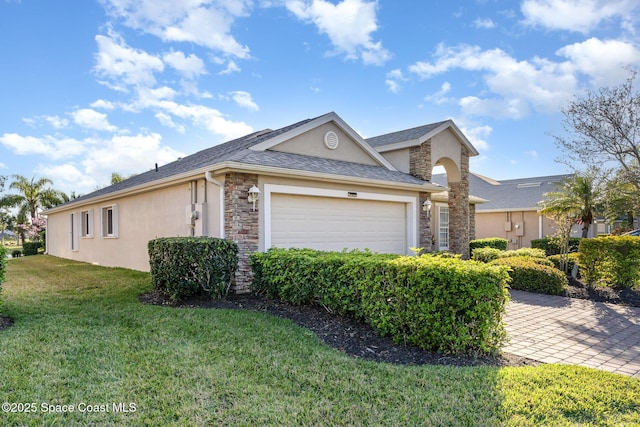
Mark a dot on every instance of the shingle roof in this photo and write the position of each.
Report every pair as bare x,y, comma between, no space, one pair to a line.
402,135
522,193
238,150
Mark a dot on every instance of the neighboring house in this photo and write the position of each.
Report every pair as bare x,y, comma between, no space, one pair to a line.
316,183
511,210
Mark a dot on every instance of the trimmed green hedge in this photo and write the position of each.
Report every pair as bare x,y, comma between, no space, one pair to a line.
31,248
488,254
3,269
534,275
573,260
550,246
186,266
437,303
611,260
491,242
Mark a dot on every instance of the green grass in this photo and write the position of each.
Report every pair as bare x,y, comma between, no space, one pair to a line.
81,337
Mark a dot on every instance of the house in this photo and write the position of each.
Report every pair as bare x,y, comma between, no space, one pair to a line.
511,208
316,183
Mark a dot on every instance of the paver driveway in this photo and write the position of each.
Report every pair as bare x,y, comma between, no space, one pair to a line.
554,329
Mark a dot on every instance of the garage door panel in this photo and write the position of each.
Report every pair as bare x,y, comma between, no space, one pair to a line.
335,224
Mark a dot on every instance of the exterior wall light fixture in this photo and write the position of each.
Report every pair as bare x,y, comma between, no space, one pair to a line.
426,206
254,192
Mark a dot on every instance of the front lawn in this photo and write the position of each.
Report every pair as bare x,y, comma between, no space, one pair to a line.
81,338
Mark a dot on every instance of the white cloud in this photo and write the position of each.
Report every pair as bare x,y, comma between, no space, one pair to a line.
605,62
202,22
394,77
92,119
57,122
533,154
575,15
68,177
123,65
484,23
232,67
102,104
516,87
2,166
127,154
244,100
477,135
439,97
348,24
47,145
189,66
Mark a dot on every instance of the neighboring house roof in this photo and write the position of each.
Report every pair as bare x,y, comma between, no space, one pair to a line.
416,136
251,153
508,195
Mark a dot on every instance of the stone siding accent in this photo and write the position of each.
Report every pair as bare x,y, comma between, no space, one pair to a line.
459,209
241,224
472,223
420,161
424,225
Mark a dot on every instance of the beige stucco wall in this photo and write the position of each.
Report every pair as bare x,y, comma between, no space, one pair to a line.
495,224
399,159
143,217
446,151
311,143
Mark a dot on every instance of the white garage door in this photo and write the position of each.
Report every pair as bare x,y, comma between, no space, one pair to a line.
335,223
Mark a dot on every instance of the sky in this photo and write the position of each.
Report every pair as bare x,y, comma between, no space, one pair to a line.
92,87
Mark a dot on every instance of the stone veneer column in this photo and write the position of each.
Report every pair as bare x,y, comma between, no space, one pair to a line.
459,209
241,224
420,167
472,222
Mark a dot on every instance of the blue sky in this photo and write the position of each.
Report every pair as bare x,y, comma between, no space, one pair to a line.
99,86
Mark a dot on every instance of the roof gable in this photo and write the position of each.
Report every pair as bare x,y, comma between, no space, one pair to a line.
418,135
309,140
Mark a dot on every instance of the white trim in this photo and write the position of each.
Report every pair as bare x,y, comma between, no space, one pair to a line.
411,203
540,236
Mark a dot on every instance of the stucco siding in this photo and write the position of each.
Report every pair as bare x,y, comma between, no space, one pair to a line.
140,218
312,144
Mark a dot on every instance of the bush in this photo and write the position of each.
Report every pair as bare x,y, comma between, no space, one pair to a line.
534,275
611,260
492,242
433,302
486,254
573,260
31,248
184,266
16,253
3,267
550,246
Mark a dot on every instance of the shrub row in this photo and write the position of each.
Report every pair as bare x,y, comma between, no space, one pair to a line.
182,266
492,242
534,274
572,261
436,303
611,260
551,247
488,254
3,266
31,248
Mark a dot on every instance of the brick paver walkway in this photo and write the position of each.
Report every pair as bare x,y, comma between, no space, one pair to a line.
554,329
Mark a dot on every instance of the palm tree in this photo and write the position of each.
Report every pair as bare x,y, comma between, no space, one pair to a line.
32,195
576,197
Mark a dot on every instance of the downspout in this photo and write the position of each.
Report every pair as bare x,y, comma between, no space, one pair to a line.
211,179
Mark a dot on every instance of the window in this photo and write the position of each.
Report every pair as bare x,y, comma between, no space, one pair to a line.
73,231
109,219
443,228
86,219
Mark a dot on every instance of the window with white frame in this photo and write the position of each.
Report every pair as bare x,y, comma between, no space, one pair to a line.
86,223
443,228
109,221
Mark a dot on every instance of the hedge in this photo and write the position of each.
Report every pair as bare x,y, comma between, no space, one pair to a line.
3,269
488,254
534,275
491,242
186,266
551,247
31,248
436,303
611,260
573,260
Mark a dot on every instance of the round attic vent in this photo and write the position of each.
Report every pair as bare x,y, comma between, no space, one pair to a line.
331,140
